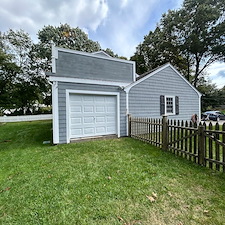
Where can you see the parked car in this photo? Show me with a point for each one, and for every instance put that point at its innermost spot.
(213, 115)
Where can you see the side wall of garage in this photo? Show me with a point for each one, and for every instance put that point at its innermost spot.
(63, 86)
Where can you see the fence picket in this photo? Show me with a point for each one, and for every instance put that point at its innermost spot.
(223, 139)
(217, 127)
(186, 140)
(178, 137)
(202, 144)
(195, 144)
(190, 143)
(210, 156)
(182, 135)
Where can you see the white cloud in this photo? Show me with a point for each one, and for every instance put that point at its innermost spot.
(125, 20)
(129, 21)
(33, 15)
(124, 3)
(216, 73)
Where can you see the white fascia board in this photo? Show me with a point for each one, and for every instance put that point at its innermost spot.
(200, 109)
(134, 72)
(93, 55)
(96, 53)
(71, 91)
(87, 81)
(55, 112)
(54, 57)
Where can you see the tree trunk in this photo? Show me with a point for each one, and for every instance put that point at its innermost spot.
(196, 71)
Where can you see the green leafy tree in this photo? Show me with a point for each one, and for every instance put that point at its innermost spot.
(191, 38)
(29, 81)
(8, 70)
(63, 36)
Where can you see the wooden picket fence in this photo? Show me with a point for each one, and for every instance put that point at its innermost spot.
(199, 143)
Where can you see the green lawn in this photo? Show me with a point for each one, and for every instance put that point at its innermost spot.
(117, 181)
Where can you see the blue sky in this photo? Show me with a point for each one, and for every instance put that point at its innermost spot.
(117, 24)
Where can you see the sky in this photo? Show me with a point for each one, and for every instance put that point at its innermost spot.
(116, 24)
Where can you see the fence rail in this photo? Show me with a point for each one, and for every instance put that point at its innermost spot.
(199, 143)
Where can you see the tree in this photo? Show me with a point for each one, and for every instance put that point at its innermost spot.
(27, 81)
(192, 38)
(8, 71)
(63, 36)
(210, 94)
(156, 50)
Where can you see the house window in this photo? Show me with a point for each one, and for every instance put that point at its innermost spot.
(169, 105)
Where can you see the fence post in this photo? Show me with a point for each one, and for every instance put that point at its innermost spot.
(165, 134)
(129, 125)
(201, 145)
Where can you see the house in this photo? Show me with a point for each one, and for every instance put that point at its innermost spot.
(93, 93)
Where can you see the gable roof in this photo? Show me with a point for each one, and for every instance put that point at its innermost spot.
(148, 74)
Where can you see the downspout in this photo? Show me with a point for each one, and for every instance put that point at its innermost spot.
(55, 112)
(127, 109)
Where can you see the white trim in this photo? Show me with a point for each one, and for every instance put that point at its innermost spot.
(134, 72)
(87, 81)
(101, 52)
(68, 116)
(54, 57)
(174, 109)
(55, 112)
(127, 111)
(155, 72)
(69, 91)
(200, 109)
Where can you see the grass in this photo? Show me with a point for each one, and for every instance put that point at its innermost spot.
(119, 181)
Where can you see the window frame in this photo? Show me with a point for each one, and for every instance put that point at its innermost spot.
(174, 105)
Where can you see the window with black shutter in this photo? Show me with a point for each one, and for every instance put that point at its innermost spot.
(169, 105)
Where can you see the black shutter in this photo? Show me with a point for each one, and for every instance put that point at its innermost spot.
(162, 104)
(177, 105)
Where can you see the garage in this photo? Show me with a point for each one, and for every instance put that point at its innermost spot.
(92, 115)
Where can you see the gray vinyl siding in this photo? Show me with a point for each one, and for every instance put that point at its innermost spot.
(90, 67)
(62, 86)
(144, 98)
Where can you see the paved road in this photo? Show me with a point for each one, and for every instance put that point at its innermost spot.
(221, 122)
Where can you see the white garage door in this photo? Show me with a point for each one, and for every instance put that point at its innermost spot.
(92, 115)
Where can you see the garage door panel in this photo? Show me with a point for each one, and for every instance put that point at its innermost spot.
(110, 109)
(99, 99)
(89, 119)
(89, 131)
(88, 109)
(76, 120)
(111, 129)
(92, 115)
(74, 98)
(76, 109)
(100, 109)
(100, 130)
(76, 132)
(110, 119)
(100, 119)
(110, 99)
(88, 98)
